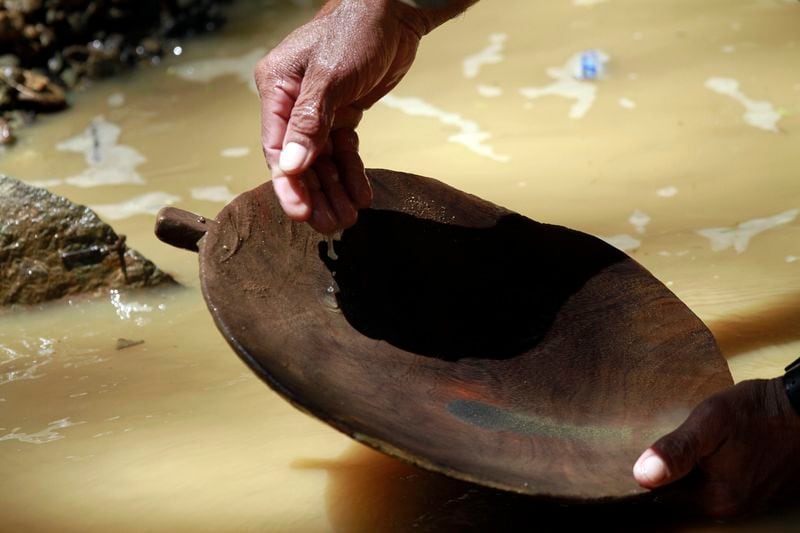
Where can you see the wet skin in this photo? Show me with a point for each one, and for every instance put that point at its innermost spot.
(314, 87)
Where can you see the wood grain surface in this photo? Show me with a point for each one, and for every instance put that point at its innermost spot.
(462, 337)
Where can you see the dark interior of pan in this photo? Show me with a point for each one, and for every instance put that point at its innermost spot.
(460, 336)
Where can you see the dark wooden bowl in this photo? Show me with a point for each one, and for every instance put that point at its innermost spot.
(457, 335)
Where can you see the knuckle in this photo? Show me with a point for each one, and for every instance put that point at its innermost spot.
(264, 68)
(713, 407)
(277, 65)
(309, 119)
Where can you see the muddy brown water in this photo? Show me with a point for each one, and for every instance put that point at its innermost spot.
(685, 154)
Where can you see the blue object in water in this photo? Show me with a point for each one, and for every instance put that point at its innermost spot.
(591, 65)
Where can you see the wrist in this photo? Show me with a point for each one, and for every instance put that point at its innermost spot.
(429, 14)
(397, 10)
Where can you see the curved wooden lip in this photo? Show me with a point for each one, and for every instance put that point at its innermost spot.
(379, 444)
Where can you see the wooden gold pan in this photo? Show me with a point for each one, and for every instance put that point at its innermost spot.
(458, 335)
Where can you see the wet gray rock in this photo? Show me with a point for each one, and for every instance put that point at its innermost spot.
(51, 248)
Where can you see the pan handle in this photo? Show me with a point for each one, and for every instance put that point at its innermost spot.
(180, 228)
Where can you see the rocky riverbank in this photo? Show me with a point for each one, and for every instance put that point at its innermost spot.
(51, 248)
(50, 46)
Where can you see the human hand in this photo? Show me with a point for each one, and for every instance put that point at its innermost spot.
(314, 87)
(745, 443)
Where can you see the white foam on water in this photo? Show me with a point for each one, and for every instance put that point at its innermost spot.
(627, 103)
(109, 163)
(622, 242)
(116, 100)
(469, 135)
(490, 91)
(490, 55)
(639, 220)
(667, 192)
(145, 204)
(739, 237)
(25, 363)
(48, 434)
(126, 310)
(214, 193)
(792, 258)
(46, 183)
(235, 151)
(207, 70)
(758, 113)
(567, 86)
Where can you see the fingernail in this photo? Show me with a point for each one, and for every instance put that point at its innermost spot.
(651, 468)
(292, 157)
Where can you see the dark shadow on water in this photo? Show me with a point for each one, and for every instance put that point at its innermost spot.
(368, 491)
(776, 324)
(450, 291)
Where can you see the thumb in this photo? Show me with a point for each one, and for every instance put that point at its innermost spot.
(309, 125)
(675, 455)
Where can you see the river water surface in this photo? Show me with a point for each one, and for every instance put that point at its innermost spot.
(684, 153)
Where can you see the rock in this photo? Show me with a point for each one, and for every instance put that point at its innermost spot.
(51, 248)
(26, 89)
(75, 40)
(6, 134)
(128, 343)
